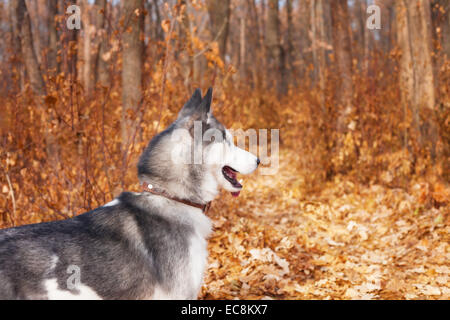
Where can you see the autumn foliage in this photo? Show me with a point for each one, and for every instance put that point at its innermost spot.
(354, 212)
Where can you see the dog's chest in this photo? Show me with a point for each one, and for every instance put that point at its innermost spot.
(198, 254)
(189, 270)
(198, 251)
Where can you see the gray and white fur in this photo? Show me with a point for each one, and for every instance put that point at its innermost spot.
(140, 245)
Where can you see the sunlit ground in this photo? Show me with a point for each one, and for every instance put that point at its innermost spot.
(347, 242)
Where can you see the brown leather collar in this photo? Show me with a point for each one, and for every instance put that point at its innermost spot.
(204, 207)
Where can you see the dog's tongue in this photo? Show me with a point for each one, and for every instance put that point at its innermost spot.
(236, 194)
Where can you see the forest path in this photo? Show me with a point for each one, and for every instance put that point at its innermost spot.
(348, 242)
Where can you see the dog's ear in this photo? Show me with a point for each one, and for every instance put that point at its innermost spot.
(191, 106)
(197, 108)
(204, 109)
(205, 106)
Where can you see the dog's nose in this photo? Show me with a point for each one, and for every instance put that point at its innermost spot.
(257, 161)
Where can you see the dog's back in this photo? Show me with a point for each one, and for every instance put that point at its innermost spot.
(133, 249)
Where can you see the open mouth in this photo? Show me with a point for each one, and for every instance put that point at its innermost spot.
(230, 174)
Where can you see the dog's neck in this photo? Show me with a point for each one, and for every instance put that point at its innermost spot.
(183, 191)
(150, 189)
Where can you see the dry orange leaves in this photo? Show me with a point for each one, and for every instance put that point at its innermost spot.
(346, 242)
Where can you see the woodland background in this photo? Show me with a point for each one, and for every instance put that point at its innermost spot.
(359, 207)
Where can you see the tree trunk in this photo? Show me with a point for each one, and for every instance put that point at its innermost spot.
(52, 36)
(443, 23)
(157, 30)
(274, 48)
(16, 58)
(70, 39)
(256, 44)
(132, 47)
(416, 65)
(387, 11)
(185, 46)
(219, 15)
(364, 36)
(319, 45)
(88, 28)
(242, 66)
(305, 42)
(101, 44)
(33, 12)
(343, 59)
(446, 31)
(290, 41)
(23, 25)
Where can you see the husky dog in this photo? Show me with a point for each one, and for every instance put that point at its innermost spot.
(149, 245)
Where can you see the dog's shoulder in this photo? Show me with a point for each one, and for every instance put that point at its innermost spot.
(154, 211)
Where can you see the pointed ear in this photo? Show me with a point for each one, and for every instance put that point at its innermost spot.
(206, 102)
(191, 106)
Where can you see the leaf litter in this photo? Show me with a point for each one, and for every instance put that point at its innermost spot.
(345, 242)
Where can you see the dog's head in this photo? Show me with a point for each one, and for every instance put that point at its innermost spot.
(195, 156)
